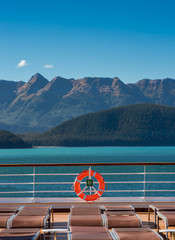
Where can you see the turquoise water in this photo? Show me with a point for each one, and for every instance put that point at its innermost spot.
(87, 154)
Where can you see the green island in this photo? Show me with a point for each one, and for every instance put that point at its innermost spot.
(132, 125)
(10, 140)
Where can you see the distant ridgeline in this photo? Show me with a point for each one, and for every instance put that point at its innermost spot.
(39, 104)
(133, 125)
(9, 140)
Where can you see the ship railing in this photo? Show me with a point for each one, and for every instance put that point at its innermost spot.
(125, 182)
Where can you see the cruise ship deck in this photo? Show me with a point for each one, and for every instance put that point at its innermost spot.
(138, 184)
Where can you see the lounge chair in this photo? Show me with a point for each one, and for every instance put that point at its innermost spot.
(122, 219)
(135, 234)
(20, 234)
(157, 208)
(85, 216)
(89, 233)
(168, 217)
(31, 217)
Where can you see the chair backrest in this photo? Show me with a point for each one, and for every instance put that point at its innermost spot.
(85, 211)
(34, 210)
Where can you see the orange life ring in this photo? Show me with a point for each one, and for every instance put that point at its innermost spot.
(79, 191)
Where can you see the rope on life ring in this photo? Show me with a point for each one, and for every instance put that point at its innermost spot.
(80, 192)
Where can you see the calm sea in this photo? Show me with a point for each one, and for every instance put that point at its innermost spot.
(88, 154)
(80, 155)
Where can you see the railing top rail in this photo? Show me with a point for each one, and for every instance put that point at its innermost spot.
(86, 164)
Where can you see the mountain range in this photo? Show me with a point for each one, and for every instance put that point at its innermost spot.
(40, 104)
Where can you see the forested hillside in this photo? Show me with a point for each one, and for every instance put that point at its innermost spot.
(9, 140)
(133, 125)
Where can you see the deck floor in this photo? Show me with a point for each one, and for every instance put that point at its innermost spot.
(60, 221)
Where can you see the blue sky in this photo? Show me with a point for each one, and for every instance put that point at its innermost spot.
(129, 39)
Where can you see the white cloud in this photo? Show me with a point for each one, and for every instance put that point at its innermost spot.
(48, 66)
(22, 63)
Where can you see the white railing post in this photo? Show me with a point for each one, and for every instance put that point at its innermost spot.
(144, 181)
(33, 183)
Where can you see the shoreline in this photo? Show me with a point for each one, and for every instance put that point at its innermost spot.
(99, 146)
